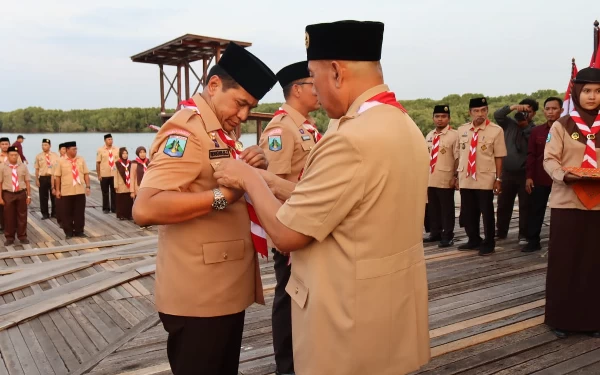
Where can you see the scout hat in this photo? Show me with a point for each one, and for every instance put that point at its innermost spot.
(588, 75)
(292, 73)
(46, 140)
(442, 108)
(478, 102)
(12, 149)
(107, 135)
(70, 144)
(4, 139)
(61, 145)
(344, 40)
(247, 70)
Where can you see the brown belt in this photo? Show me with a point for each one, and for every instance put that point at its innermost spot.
(15, 192)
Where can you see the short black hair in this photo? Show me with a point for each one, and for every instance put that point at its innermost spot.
(552, 99)
(532, 103)
(228, 81)
(287, 90)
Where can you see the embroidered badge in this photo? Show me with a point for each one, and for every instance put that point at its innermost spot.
(443, 151)
(175, 146)
(306, 137)
(301, 131)
(218, 153)
(463, 145)
(548, 138)
(274, 132)
(213, 137)
(275, 143)
(483, 148)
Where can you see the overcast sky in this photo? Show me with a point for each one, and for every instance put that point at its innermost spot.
(73, 54)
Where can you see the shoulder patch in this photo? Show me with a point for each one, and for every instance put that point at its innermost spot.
(275, 143)
(175, 146)
(274, 131)
(549, 137)
(182, 132)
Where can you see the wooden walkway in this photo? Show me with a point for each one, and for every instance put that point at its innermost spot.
(85, 306)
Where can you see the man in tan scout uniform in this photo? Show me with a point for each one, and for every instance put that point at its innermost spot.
(71, 173)
(358, 283)
(206, 269)
(286, 141)
(106, 161)
(14, 180)
(63, 152)
(482, 148)
(44, 162)
(444, 152)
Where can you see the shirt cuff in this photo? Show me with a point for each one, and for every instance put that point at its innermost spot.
(301, 224)
(280, 167)
(558, 175)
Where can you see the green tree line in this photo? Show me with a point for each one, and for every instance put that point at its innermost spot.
(135, 120)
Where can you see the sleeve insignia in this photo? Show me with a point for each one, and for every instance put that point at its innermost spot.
(175, 146)
(275, 143)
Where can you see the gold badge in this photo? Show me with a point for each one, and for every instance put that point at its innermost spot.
(463, 145)
(443, 151)
(445, 109)
(239, 146)
(306, 40)
(591, 137)
(575, 136)
(483, 148)
(483, 100)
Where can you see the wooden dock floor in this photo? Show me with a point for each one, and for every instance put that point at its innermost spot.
(85, 306)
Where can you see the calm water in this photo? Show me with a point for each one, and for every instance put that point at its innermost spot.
(88, 143)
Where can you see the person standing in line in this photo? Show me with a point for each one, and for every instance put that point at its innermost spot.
(44, 162)
(572, 280)
(16, 196)
(71, 173)
(106, 161)
(208, 235)
(62, 150)
(4, 145)
(339, 221)
(444, 153)
(138, 168)
(482, 148)
(516, 138)
(19, 145)
(287, 141)
(123, 186)
(539, 183)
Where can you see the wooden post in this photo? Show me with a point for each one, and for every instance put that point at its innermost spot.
(187, 80)
(204, 70)
(258, 130)
(162, 89)
(217, 54)
(178, 86)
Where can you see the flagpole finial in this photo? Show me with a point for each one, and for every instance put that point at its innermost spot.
(573, 60)
(596, 23)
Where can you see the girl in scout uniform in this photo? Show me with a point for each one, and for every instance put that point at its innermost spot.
(138, 169)
(123, 186)
(572, 303)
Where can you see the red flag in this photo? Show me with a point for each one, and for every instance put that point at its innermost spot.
(568, 103)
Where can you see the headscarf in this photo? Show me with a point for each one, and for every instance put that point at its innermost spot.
(141, 170)
(122, 161)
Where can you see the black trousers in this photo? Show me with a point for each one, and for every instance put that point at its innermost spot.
(539, 201)
(73, 214)
(513, 184)
(282, 317)
(108, 186)
(15, 214)
(441, 212)
(476, 203)
(204, 346)
(45, 193)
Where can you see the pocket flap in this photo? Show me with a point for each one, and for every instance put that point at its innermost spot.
(218, 252)
(296, 289)
(307, 146)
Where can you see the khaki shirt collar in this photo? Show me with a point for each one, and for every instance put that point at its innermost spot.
(480, 127)
(296, 116)
(208, 116)
(443, 132)
(353, 110)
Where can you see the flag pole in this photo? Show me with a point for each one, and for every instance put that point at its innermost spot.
(596, 37)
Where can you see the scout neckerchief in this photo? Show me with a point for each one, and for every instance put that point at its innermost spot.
(126, 172)
(143, 163)
(111, 159)
(386, 97)
(15, 177)
(434, 150)
(472, 167)
(140, 172)
(258, 234)
(48, 159)
(74, 171)
(589, 158)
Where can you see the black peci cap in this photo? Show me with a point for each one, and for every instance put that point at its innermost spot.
(344, 40)
(477, 103)
(46, 140)
(247, 70)
(70, 144)
(12, 149)
(443, 108)
(292, 73)
(588, 75)
(107, 135)
(61, 145)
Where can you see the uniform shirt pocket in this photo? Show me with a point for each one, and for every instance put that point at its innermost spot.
(486, 147)
(297, 291)
(218, 252)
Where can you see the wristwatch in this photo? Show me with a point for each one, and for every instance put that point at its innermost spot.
(498, 179)
(219, 201)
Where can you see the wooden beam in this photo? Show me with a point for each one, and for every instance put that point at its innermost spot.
(187, 80)
(204, 70)
(162, 88)
(178, 87)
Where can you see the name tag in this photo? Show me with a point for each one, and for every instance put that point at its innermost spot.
(306, 137)
(218, 153)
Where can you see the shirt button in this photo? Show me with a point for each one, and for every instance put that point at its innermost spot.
(224, 255)
(296, 292)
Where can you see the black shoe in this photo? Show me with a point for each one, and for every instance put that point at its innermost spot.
(24, 241)
(45, 217)
(560, 334)
(595, 335)
(432, 239)
(501, 236)
(469, 246)
(531, 247)
(68, 236)
(53, 215)
(485, 250)
(80, 235)
(9, 242)
(444, 244)
(106, 211)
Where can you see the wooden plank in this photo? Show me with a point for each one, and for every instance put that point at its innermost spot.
(66, 355)
(88, 327)
(154, 370)
(102, 322)
(9, 355)
(48, 347)
(141, 327)
(23, 353)
(572, 364)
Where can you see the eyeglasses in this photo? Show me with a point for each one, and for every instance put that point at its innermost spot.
(304, 83)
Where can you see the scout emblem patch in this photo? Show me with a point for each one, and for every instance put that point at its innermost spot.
(301, 131)
(239, 146)
(463, 145)
(483, 148)
(218, 153)
(175, 146)
(548, 138)
(275, 143)
(443, 151)
(575, 136)
(213, 137)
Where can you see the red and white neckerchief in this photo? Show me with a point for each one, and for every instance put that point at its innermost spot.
(386, 97)
(435, 148)
(472, 167)
(48, 160)
(126, 166)
(142, 163)
(258, 234)
(589, 158)
(111, 159)
(74, 171)
(15, 178)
